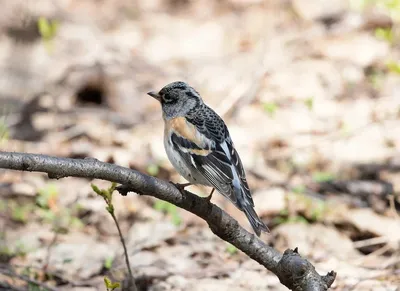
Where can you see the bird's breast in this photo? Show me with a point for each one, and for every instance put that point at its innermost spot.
(188, 131)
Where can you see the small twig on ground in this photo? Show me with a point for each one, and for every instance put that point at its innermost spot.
(370, 242)
(8, 271)
(393, 207)
(372, 256)
(10, 287)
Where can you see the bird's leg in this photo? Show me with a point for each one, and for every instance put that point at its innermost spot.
(208, 198)
(182, 186)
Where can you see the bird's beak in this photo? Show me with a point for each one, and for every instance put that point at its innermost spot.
(154, 94)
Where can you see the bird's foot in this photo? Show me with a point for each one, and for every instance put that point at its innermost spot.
(208, 198)
(180, 187)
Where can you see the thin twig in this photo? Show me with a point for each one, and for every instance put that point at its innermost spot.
(11, 273)
(10, 287)
(370, 242)
(363, 260)
(393, 207)
(128, 265)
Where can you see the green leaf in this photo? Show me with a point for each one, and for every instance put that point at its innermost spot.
(385, 34)
(297, 219)
(47, 29)
(170, 209)
(115, 285)
(112, 188)
(106, 195)
(44, 27)
(77, 222)
(20, 213)
(96, 189)
(110, 208)
(176, 219)
(279, 220)
(284, 212)
(160, 205)
(394, 67)
(316, 210)
(153, 169)
(20, 249)
(271, 108)
(108, 262)
(299, 189)
(231, 249)
(321, 177)
(111, 285)
(309, 102)
(46, 215)
(392, 5)
(46, 194)
(107, 282)
(5, 251)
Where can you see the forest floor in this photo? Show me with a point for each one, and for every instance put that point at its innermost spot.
(310, 92)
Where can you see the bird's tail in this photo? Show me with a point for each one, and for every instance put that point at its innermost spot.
(257, 224)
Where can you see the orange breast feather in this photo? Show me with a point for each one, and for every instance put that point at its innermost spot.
(186, 130)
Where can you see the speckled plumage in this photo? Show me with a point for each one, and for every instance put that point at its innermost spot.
(199, 146)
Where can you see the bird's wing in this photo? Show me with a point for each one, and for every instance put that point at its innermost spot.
(205, 144)
(211, 163)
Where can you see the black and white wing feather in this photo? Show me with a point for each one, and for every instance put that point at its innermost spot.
(217, 160)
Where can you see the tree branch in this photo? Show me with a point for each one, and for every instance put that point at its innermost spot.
(293, 271)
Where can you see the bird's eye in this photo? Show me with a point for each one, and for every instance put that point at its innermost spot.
(167, 98)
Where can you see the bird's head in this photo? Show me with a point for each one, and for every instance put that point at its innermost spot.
(177, 99)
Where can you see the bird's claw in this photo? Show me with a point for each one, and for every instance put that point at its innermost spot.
(208, 198)
(180, 187)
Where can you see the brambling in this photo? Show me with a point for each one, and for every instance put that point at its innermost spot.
(199, 146)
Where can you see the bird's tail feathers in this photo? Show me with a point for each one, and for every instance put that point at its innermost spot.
(257, 224)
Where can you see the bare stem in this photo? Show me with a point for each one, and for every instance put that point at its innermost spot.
(132, 284)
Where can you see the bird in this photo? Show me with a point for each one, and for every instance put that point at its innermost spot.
(199, 146)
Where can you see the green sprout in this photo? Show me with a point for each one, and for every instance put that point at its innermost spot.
(108, 262)
(170, 209)
(231, 249)
(299, 189)
(385, 34)
(111, 286)
(289, 219)
(20, 213)
(271, 108)
(394, 67)
(320, 177)
(318, 210)
(309, 102)
(153, 169)
(107, 196)
(46, 196)
(48, 30)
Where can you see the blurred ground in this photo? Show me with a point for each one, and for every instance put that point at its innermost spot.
(310, 90)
